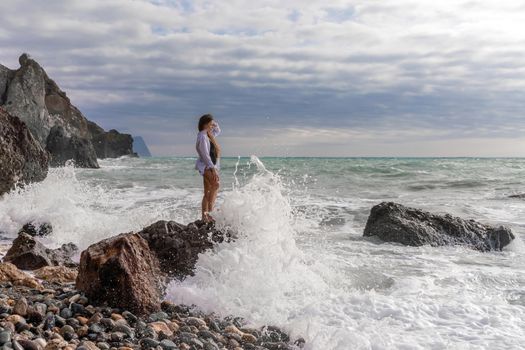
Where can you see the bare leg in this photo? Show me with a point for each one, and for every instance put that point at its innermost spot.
(212, 188)
(204, 207)
(205, 199)
(213, 197)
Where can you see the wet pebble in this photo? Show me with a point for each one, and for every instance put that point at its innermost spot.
(60, 318)
(20, 307)
(5, 337)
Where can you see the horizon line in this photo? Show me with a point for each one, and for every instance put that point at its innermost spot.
(355, 157)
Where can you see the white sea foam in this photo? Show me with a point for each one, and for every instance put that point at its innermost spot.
(84, 212)
(300, 261)
(342, 294)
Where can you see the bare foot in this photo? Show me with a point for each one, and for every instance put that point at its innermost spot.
(206, 217)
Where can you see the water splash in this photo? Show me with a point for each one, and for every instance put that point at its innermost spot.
(263, 276)
(79, 211)
(340, 293)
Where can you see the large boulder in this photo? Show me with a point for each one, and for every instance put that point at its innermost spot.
(392, 222)
(110, 144)
(27, 253)
(122, 272)
(22, 159)
(178, 246)
(63, 147)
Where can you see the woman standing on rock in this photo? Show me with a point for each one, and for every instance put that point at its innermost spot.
(208, 162)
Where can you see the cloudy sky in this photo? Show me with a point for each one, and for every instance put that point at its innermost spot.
(288, 78)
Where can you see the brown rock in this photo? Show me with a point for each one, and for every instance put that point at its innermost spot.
(82, 320)
(56, 344)
(173, 326)
(56, 274)
(10, 273)
(29, 345)
(233, 329)
(159, 327)
(82, 331)
(95, 318)
(248, 338)
(14, 319)
(20, 307)
(22, 158)
(89, 345)
(122, 272)
(116, 317)
(29, 254)
(54, 309)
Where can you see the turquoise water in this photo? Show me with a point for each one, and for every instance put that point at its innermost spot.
(301, 261)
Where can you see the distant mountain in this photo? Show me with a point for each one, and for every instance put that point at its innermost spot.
(140, 147)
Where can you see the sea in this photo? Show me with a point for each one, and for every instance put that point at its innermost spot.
(300, 261)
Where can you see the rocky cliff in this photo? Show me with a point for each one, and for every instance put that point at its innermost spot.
(22, 159)
(31, 95)
(110, 144)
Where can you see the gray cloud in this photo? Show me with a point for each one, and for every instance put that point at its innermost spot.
(454, 68)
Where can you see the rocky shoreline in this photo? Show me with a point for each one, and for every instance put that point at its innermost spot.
(114, 299)
(54, 315)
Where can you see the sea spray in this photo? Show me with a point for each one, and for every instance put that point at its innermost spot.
(79, 211)
(342, 292)
(263, 275)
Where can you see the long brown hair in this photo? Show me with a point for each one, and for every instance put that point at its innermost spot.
(205, 119)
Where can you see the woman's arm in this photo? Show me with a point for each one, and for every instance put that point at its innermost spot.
(215, 129)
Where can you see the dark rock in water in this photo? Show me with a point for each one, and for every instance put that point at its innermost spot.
(519, 196)
(393, 222)
(110, 144)
(122, 272)
(28, 254)
(62, 148)
(177, 246)
(35, 229)
(22, 159)
(62, 256)
(140, 147)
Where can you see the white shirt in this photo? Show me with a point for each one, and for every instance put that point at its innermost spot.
(203, 150)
